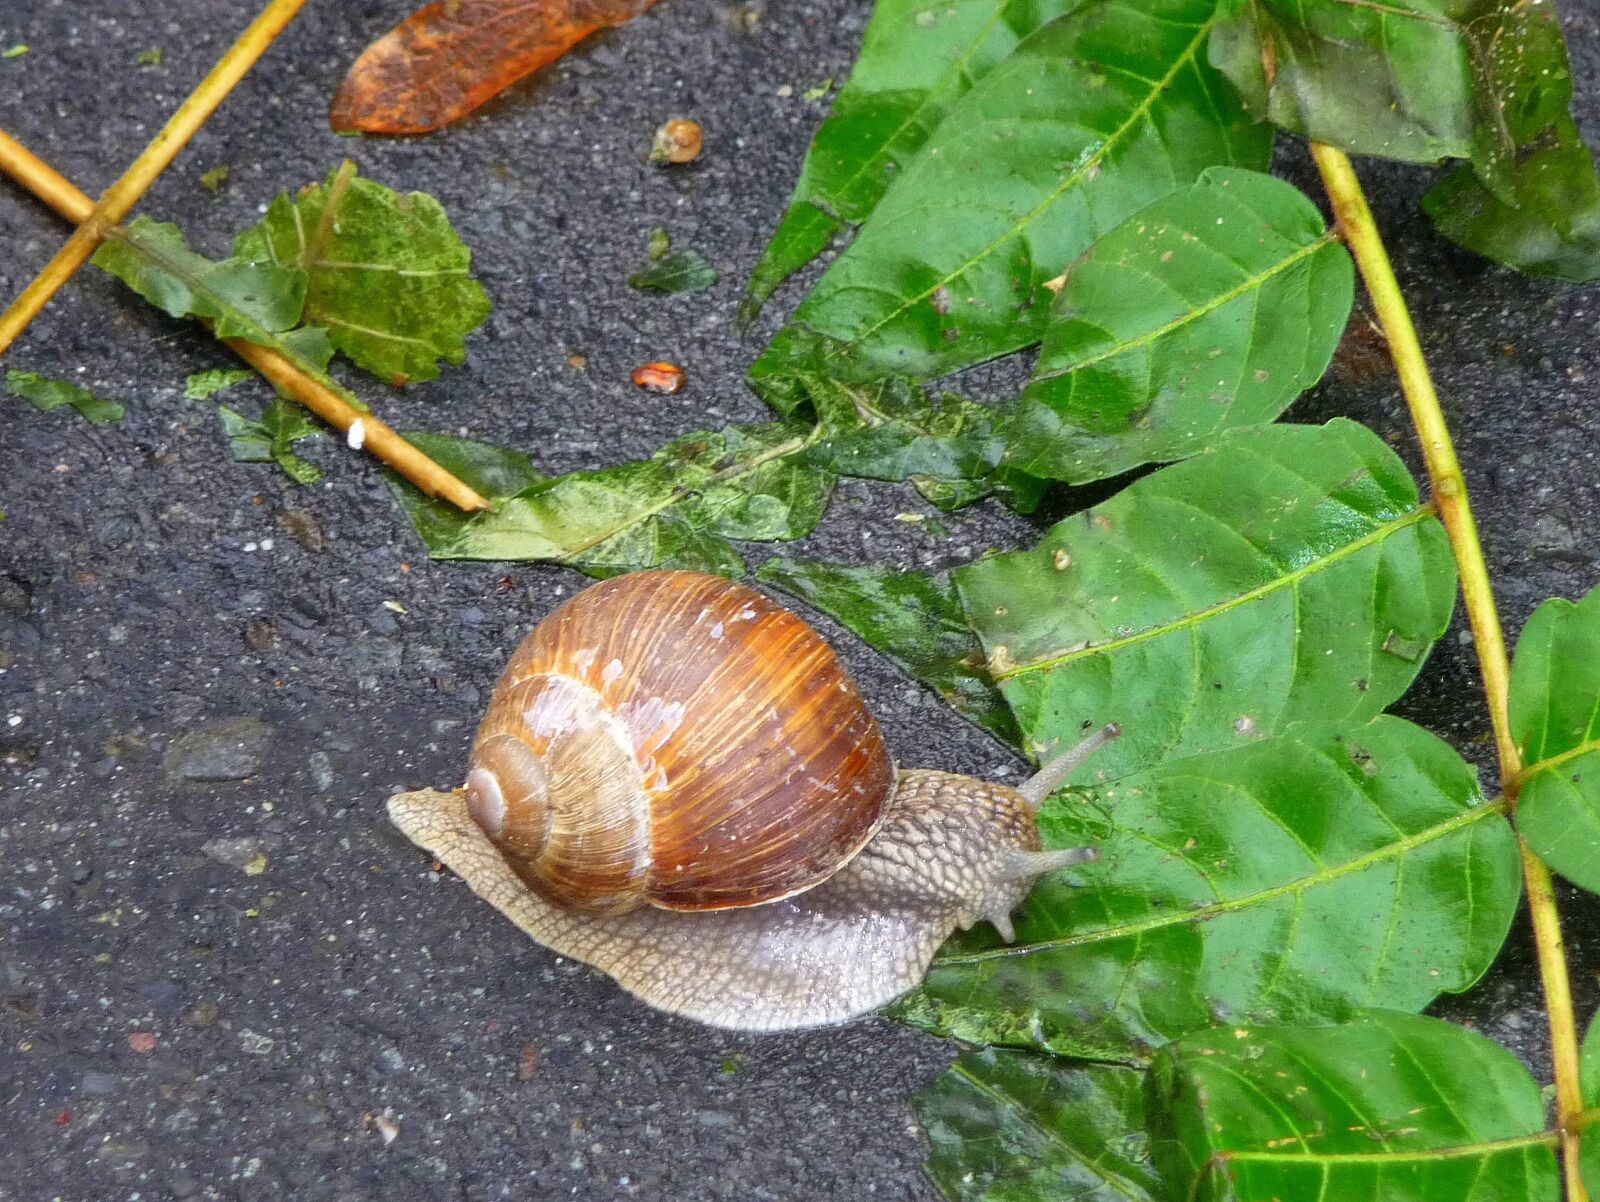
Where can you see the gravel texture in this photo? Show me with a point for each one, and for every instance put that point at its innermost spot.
(222, 975)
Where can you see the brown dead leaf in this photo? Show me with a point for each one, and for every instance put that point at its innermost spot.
(447, 58)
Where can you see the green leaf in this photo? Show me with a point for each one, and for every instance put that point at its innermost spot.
(387, 276)
(1092, 117)
(45, 394)
(1287, 574)
(914, 618)
(495, 473)
(1210, 309)
(676, 509)
(1589, 1076)
(675, 271)
(1555, 720)
(271, 439)
(916, 61)
(1393, 80)
(1018, 1127)
(1530, 198)
(1392, 1107)
(1292, 879)
(203, 384)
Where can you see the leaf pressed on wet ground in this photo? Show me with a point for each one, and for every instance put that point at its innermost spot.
(1555, 720)
(1297, 878)
(915, 62)
(271, 438)
(1389, 1106)
(675, 271)
(447, 58)
(1210, 309)
(45, 394)
(1010, 1126)
(1093, 116)
(203, 384)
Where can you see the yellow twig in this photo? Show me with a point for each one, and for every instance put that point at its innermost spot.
(1450, 495)
(119, 199)
(50, 186)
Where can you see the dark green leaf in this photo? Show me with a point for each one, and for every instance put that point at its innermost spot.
(915, 62)
(1092, 117)
(271, 439)
(1530, 199)
(1212, 308)
(203, 384)
(675, 271)
(389, 278)
(1296, 878)
(1393, 79)
(1288, 574)
(912, 617)
(495, 473)
(1018, 1127)
(1555, 719)
(45, 394)
(1393, 1107)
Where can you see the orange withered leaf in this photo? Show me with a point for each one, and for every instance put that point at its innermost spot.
(447, 58)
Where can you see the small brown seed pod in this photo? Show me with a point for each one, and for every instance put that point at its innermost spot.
(677, 141)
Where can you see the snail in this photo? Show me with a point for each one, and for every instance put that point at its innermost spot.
(677, 783)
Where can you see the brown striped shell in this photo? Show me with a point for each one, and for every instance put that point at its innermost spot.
(678, 740)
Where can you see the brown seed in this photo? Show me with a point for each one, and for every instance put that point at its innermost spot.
(664, 378)
(678, 141)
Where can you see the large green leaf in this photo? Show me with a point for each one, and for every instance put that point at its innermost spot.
(917, 59)
(1555, 719)
(1211, 308)
(1297, 878)
(386, 275)
(1092, 117)
(1392, 79)
(1530, 198)
(914, 618)
(1391, 1108)
(1019, 1127)
(1287, 574)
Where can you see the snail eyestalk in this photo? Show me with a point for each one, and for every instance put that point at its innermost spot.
(1050, 777)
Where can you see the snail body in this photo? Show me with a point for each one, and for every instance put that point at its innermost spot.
(677, 782)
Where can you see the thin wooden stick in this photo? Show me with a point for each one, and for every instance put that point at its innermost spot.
(50, 186)
(1455, 510)
(119, 199)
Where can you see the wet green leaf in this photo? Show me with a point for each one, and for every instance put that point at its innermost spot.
(1530, 199)
(1260, 583)
(1287, 879)
(1210, 309)
(45, 394)
(1589, 1076)
(914, 618)
(1392, 1107)
(1555, 719)
(213, 179)
(675, 271)
(1393, 80)
(495, 473)
(1093, 116)
(1018, 1127)
(387, 276)
(203, 384)
(271, 438)
(916, 61)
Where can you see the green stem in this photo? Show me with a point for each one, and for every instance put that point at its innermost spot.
(1455, 510)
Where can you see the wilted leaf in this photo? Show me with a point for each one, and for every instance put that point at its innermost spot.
(1555, 719)
(1093, 116)
(675, 271)
(912, 617)
(1019, 1127)
(447, 58)
(203, 384)
(1211, 308)
(271, 439)
(1390, 1107)
(386, 275)
(1291, 879)
(915, 62)
(45, 394)
(1530, 199)
(1287, 574)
